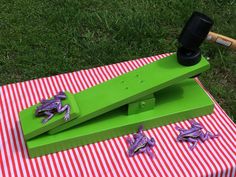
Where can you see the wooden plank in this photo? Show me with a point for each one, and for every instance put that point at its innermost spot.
(130, 87)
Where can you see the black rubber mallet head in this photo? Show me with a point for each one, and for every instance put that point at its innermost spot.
(193, 34)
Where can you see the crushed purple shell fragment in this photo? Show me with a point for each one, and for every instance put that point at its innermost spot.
(50, 107)
(140, 144)
(194, 134)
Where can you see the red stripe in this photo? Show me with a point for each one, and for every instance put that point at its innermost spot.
(171, 147)
(80, 80)
(213, 146)
(64, 152)
(201, 155)
(31, 103)
(3, 145)
(35, 101)
(106, 145)
(19, 88)
(182, 154)
(43, 93)
(77, 162)
(190, 154)
(103, 155)
(122, 160)
(48, 94)
(208, 157)
(96, 159)
(117, 160)
(132, 165)
(9, 135)
(173, 169)
(39, 93)
(18, 130)
(220, 146)
(99, 158)
(6, 142)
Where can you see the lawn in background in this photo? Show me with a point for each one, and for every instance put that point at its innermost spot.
(44, 38)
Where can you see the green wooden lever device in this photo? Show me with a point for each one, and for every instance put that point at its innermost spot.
(156, 94)
(153, 95)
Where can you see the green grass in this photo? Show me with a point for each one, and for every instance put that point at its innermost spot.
(44, 38)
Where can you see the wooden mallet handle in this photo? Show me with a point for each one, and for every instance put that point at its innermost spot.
(222, 40)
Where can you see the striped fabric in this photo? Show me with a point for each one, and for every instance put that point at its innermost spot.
(109, 158)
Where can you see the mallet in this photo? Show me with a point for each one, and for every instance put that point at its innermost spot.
(195, 31)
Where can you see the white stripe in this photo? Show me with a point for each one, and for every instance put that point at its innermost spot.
(104, 73)
(63, 161)
(102, 159)
(225, 127)
(131, 159)
(208, 149)
(113, 156)
(98, 76)
(115, 73)
(101, 74)
(203, 159)
(123, 154)
(219, 128)
(69, 80)
(210, 143)
(52, 165)
(156, 150)
(107, 157)
(63, 84)
(183, 152)
(74, 162)
(93, 75)
(91, 160)
(80, 161)
(185, 146)
(66, 160)
(166, 152)
(118, 155)
(76, 88)
(5, 156)
(28, 96)
(24, 104)
(174, 151)
(18, 139)
(222, 149)
(95, 155)
(90, 78)
(78, 81)
(38, 98)
(8, 127)
(86, 161)
(85, 79)
(81, 80)
(112, 73)
(117, 70)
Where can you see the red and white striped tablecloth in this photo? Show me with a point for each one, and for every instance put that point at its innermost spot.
(215, 157)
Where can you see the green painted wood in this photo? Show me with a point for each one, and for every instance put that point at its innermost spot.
(32, 125)
(141, 105)
(175, 103)
(130, 87)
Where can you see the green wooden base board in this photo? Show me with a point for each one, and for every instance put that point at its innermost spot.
(175, 103)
